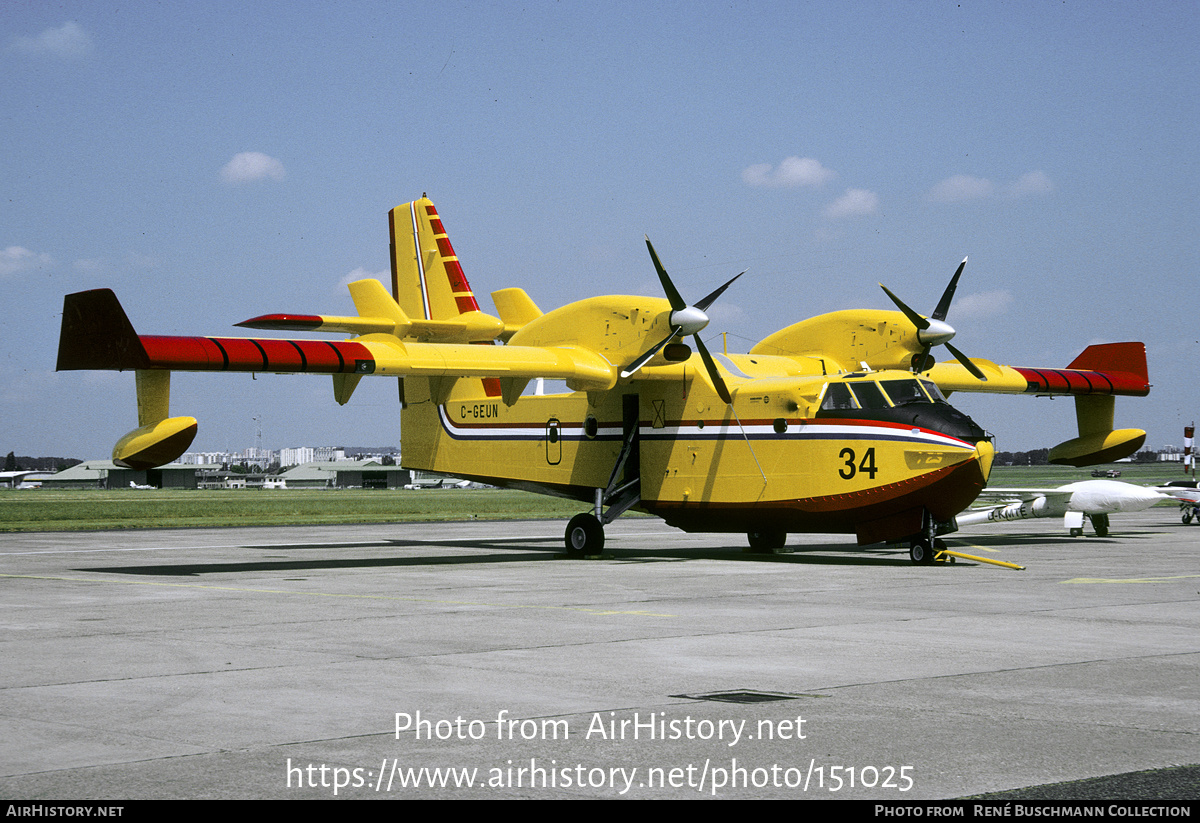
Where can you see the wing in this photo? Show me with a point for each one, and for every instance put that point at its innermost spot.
(1095, 378)
(96, 334)
(1106, 370)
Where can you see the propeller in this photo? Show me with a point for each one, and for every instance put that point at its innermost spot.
(684, 320)
(934, 330)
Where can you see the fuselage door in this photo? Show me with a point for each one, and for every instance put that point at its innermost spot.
(553, 441)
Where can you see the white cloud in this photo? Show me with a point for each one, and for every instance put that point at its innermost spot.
(137, 260)
(982, 304)
(361, 273)
(17, 258)
(1030, 183)
(68, 41)
(793, 172)
(854, 203)
(962, 187)
(252, 165)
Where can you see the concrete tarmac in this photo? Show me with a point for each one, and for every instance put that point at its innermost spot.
(409, 661)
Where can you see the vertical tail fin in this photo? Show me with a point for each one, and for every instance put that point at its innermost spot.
(427, 280)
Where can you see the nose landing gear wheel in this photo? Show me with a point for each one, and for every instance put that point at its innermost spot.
(923, 552)
(766, 542)
(585, 536)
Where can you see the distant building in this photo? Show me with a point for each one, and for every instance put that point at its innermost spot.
(346, 474)
(105, 474)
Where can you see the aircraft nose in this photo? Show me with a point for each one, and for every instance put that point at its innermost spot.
(985, 453)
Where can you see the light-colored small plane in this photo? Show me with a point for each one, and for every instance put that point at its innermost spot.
(835, 424)
(1093, 500)
(1188, 495)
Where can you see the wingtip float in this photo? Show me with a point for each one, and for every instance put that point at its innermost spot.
(838, 423)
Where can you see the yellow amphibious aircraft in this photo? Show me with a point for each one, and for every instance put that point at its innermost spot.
(838, 423)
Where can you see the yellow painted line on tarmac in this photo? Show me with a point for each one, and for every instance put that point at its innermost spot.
(583, 609)
(1130, 579)
(979, 548)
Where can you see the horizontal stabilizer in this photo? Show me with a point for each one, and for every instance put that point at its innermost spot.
(378, 313)
(516, 309)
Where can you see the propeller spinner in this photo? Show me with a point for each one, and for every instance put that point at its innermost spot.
(934, 330)
(684, 320)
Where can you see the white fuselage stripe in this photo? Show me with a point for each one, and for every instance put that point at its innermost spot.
(715, 431)
(416, 228)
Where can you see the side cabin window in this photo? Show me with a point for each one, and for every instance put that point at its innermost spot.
(838, 398)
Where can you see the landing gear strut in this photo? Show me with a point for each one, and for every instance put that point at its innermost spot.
(585, 532)
(925, 547)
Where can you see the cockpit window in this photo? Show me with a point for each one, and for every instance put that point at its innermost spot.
(904, 392)
(838, 397)
(869, 396)
(934, 392)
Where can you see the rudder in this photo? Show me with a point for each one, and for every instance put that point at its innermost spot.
(427, 280)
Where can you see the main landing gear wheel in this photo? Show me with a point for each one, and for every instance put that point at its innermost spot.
(1100, 524)
(585, 536)
(766, 542)
(1187, 516)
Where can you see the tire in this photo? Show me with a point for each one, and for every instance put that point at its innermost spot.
(1100, 524)
(921, 553)
(1187, 516)
(766, 542)
(585, 536)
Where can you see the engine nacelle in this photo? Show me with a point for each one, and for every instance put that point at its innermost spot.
(156, 444)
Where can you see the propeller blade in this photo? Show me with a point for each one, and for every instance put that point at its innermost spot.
(921, 361)
(966, 361)
(689, 320)
(649, 355)
(707, 301)
(943, 305)
(717, 381)
(917, 320)
(677, 302)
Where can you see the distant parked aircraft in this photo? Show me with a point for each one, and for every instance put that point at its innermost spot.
(1094, 500)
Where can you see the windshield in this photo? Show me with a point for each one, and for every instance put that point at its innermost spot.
(869, 396)
(904, 392)
(934, 392)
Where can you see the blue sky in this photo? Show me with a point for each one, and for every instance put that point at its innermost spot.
(215, 161)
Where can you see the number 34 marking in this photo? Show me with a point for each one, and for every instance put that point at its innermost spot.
(853, 466)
